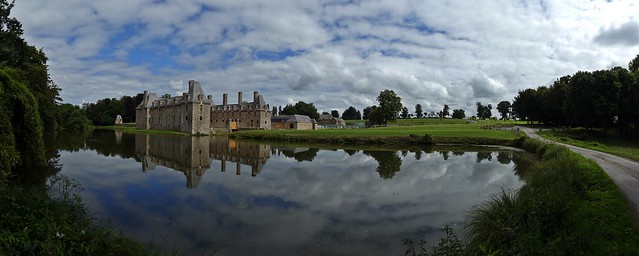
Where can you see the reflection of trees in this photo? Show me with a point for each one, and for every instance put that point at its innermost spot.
(108, 143)
(350, 152)
(481, 156)
(524, 162)
(444, 154)
(388, 162)
(504, 157)
(307, 155)
(418, 155)
(458, 153)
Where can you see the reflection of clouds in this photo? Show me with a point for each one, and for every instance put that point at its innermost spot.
(336, 204)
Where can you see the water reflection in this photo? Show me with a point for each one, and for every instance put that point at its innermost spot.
(298, 200)
(194, 155)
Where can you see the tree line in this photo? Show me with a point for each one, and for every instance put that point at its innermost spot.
(597, 99)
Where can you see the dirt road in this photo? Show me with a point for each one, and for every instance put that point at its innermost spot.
(624, 172)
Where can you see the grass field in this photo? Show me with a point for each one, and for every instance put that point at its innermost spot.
(435, 130)
(597, 140)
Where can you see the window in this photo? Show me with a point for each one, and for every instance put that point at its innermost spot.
(292, 126)
(187, 118)
(200, 118)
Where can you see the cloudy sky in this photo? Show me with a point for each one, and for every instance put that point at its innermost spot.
(334, 53)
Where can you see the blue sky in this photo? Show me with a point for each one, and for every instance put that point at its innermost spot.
(332, 53)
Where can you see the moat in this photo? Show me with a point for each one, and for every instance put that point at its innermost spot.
(214, 195)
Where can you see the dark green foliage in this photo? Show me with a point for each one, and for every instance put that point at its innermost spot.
(351, 114)
(301, 108)
(568, 206)
(389, 106)
(72, 118)
(29, 66)
(21, 125)
(404, 113)
(459, 114)
(335, 113)
(34, 224)
(484, 112)
(504, 109)
(419, 112)
(367, 111)
(445, 111)
(104, 111)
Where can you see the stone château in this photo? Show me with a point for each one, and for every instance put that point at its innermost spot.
(195, 113)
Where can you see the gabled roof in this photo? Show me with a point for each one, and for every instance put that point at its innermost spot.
(292, 119)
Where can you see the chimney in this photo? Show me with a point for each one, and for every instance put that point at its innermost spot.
(225, 99)
(191, 84)
(255, 94)
(239, 98)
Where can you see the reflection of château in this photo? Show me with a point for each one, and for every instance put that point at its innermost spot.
(192, 155)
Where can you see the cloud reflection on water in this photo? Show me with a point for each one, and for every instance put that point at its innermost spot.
(334, 202)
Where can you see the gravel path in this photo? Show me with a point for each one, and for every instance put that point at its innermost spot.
(624, 172)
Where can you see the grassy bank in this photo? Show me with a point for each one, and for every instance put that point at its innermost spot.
(568, 206)
(608, 142)
(440, 133)
(35, 224)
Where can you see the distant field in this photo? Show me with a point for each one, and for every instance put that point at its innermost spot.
(435, 130)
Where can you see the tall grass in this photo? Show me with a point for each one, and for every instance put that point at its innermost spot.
(55, 222)
(568, 206)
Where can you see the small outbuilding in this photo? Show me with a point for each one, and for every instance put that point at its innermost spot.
(293, 122)
(118, 120)
(328, 119)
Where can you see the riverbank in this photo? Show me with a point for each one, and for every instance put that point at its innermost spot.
(608, 142)
(568, 205)
(33, 223)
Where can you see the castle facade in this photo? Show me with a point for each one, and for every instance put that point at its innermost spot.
(195, 113)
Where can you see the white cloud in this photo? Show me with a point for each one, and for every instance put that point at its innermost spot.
(334, 54)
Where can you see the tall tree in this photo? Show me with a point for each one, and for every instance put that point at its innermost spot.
(351, 114)
(307, 109)
(526, 105)
(419, 112)
(389, 105)
(459, 114)
(288, 110)
(484, 112)
(274, 111)
(503, 108)
(445, 111)
(368, 110)
(335, 113)
(404, 113)
(29, 67)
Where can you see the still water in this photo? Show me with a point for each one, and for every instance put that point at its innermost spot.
(214, 195)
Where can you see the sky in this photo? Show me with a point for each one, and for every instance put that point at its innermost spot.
(333, 53)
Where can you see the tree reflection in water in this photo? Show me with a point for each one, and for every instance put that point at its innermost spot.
(388, 162)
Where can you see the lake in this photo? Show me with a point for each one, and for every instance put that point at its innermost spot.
(215, 195)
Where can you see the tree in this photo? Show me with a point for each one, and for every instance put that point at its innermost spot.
(445, 111)
(419, 112)
(459, 114)
(73, 118)
(368, 110)
(351, 114)
(375, 117)
(335, 113)
(307, 109)
(274, 111)
(389, 105)
(432, 114)
(526, 105)
(503, 108)
(288, 110)
(404, 113)
(484, 112)
(633, 65)
(28, 67)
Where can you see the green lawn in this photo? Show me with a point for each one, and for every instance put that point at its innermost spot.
(596, 140)
(435, 130)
